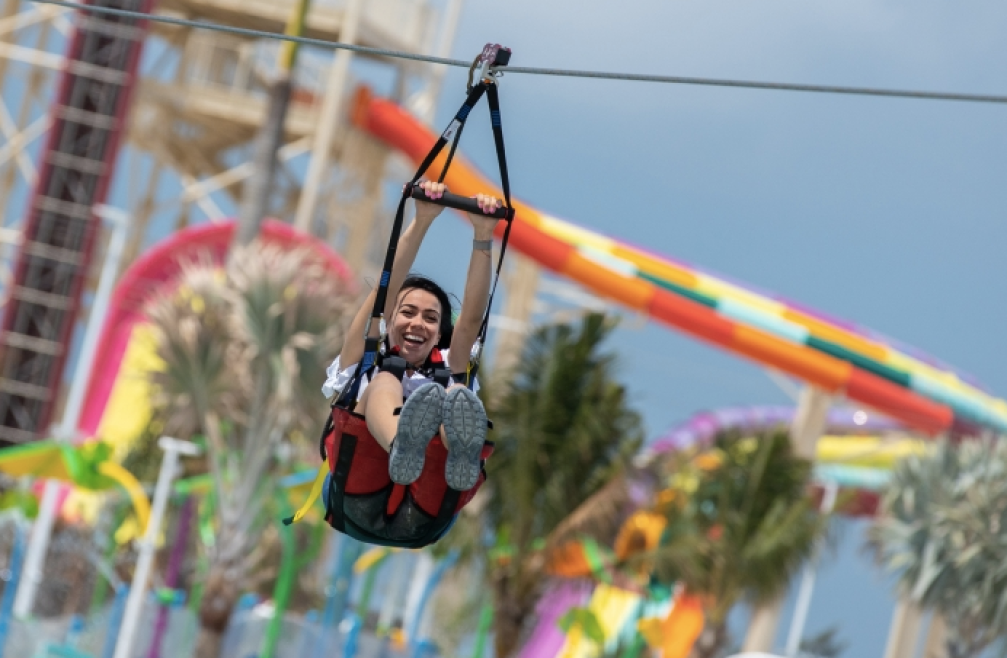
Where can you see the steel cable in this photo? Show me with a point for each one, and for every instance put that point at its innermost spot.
(636, 77)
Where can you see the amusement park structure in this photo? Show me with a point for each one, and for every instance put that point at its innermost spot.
(177, 132)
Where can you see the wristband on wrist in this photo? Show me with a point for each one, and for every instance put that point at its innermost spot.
(482, 245)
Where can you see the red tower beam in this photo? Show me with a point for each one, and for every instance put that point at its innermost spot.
(88, 119)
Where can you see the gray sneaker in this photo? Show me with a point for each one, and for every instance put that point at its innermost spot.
(465, 430)
(419, 422)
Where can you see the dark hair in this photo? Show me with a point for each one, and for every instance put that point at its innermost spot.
(418, 282)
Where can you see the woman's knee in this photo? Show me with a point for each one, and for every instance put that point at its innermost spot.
(383, 384)
(385, 380)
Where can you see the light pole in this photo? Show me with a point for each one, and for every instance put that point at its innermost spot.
(172, 448)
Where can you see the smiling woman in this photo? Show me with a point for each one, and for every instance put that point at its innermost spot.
(421, 335)
(414, 431)
(403, 451)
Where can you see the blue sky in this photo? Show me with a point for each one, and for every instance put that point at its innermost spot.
(890, 213)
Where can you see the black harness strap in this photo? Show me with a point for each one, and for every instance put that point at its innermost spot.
(449, 503)
(493, 100)
(435, 368)
(395, 365)
(451, 151)
(328, 427)
(337, 484)
(442, 376)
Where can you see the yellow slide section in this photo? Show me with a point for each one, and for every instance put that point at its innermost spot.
(127, 413)
(867, 451)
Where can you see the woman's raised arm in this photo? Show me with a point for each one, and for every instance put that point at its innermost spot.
(477, 285)
(405, 255)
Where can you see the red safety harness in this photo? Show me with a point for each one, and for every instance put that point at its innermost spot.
(363, 502)
(361, 499)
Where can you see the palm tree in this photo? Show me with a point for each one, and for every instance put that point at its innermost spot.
(942, 527)
(563, 431)
(740, 523)
(243, 352)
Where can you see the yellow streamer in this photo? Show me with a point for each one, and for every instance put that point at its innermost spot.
(371, 558)
(295, 28)
(125, 479)
(316, 491)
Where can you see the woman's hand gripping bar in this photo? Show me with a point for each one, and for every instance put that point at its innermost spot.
(462, 203)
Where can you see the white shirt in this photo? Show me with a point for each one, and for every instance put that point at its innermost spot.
(338, 377)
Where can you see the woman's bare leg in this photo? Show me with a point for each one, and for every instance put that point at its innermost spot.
(377, 405)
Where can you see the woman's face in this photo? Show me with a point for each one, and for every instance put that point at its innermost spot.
(415, 327)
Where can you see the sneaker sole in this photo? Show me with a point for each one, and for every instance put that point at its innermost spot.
(465, 428)
(418, 423)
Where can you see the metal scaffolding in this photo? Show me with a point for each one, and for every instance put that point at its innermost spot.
(58, 237)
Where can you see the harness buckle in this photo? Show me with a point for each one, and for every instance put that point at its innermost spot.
(442, 376)
(476, 353)
(395, 365)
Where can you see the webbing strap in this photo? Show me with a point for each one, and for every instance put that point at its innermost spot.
(329, 424)
(449, 503)
(493, 100)
(451, 153)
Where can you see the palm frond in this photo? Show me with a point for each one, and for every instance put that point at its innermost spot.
(565, 436)
(201, 372)
(243, 353)
(564, 430)
(942, 528)
(741, 528)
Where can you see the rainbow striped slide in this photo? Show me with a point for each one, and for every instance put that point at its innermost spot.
(835, 356)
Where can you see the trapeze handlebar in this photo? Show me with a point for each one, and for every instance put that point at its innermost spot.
(464, 203)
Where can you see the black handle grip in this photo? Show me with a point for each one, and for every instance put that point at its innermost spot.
(464, 203)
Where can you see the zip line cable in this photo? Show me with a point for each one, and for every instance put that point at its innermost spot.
(634, 77)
